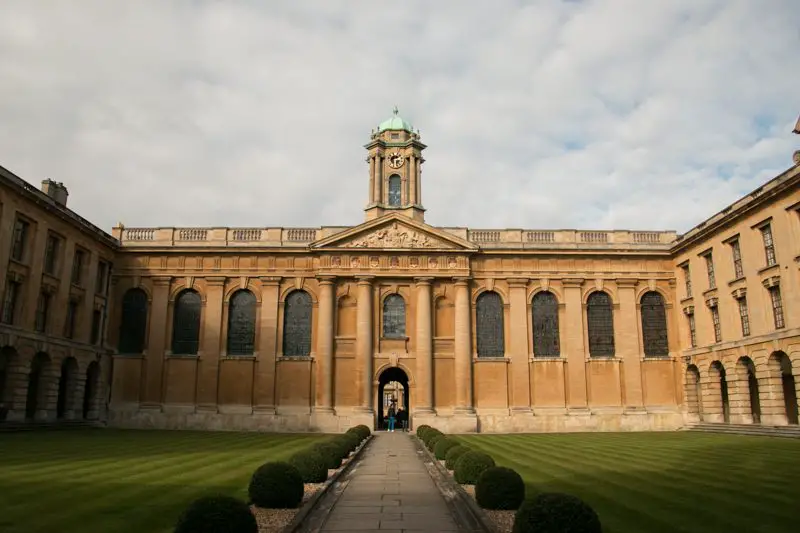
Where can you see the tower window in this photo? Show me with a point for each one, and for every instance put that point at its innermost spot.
(394, 190)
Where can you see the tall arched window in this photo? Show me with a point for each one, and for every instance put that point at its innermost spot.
(297, 324)
(186, 323)
(394, 316)
(394, 190)
(654, 324)
(545, 325)
(133, 323)
(600, 318)
(242, 323)
(489, 325)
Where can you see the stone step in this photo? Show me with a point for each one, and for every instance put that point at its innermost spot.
(8, 427)
(746, 429)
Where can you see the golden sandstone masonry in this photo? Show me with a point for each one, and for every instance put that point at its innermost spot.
(319, 329)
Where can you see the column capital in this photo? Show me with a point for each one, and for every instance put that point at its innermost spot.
(517, 282)
(626, 283)
(462, 281)
(270, 280)
(326, 280)
(365, 280)
(572, 282)
(161, 281)
(215, 281)
(423, 281)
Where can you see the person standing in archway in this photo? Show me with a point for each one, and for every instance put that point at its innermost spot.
(402, 418)
(392, 414)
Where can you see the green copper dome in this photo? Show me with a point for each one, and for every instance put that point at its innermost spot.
(395, 123)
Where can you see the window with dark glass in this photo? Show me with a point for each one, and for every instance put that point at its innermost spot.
(489, 327)
(20, 241)
(692, 330)
(717, 326)
(77, 267)
(133, 324)
(687, 278)
(72, 318)
(51, 254)
(394, 317)
(97, 318)
(712, 281)
(394, 190)
(769, 244)
(600, 319)
(242, 323)
(297, 324)
(10, 301)
(744, 316)
(42, 311)
(100, 281)
(654, 325)
(545, 325)
(736, 251)
(777, 306)
(186, 323)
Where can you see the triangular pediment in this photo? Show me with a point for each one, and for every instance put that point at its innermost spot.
(392, 232)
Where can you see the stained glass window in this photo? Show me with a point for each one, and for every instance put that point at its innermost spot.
(600, 318)
(489, 325)
(132, 326)
(545, 325)
(186, 323)
(394, 190)
(297, 324)
(394, 316)
(242, 323)
(654, 325)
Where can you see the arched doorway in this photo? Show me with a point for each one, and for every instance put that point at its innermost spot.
(36, 390)
(90, 391)
(693, 394)
(7, 359)
(392, 389)
(65, 407)
(788, 387)
(747, 372)
(719, 379)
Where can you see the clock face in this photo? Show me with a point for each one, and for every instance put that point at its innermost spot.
(395, 160)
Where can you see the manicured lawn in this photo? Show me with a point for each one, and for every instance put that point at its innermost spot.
(123, 481)
(663, 482)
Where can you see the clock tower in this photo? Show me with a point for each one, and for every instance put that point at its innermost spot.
(395, 167)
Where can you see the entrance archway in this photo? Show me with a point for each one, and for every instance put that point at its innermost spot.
(392, 388)
(91, 388)
(745, 366)
(36, 389)
(781, 362)
(66, 388)
(693, 394)
(719, 381)
(7, 358)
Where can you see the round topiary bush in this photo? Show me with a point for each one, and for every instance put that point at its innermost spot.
(553, 512)
(453, 455)
(345, 444)
(443, 446)
(499, 488)
(421, 429)
(433, 440)
(331, 454)
(311, 465)
(361, 430)
(276, 486)
(352, 439)
(429, 434)
(470, 466)
(217, 514)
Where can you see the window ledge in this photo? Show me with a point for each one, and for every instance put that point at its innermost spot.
(295, 358)
(687, 300)
(736, 281)
(397, 338)
(485, 359)
(182, 356)
(710, 292)
(769, 268)
(547, 359)
(604, 358)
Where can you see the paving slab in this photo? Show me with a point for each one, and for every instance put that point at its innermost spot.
(390, 490)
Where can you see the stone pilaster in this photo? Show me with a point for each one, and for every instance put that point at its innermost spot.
(325, 323)
(152, 377)
(576, 349)
(628, 346)
(364, 355)
(519, 353)
(424, 348)
(264, 390)
(33, 284)
(463, 348)
(208, 364)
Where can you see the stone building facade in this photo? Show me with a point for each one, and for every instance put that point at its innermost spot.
(316, 329)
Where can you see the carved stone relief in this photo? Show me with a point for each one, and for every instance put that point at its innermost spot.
(396, 236)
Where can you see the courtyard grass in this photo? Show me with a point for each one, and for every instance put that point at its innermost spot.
(125, 481)
(662, 482)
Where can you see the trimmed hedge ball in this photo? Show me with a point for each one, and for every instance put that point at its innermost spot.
(443, 446)
(217, 514)
(276, 486)
(311, 465)
(429, 434)
(352, 440)
(345, 444)
(433, 440)
(553, 512)
(361, 430)
(470, 466)
(331, 454)
(453, 455)
(501, 488)
(421, 429)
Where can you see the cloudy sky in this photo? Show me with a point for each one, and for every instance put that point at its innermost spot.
(537, 114)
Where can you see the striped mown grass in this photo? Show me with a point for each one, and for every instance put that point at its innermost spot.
(124, 481)
(662, 482)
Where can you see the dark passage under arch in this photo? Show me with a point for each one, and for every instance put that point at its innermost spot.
(392, 374)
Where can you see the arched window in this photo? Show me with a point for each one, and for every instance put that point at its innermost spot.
(394, 190)
(186, 323)
(242, 323)
(654, 325)
(545, 325)
(394, 316)
(600, 318)
(489, 325)
(297, 324)
(133, 323)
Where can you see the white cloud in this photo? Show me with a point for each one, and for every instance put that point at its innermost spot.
(594, 114)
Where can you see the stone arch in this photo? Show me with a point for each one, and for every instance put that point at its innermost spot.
(490, 338)
(600, 333)
(784, 387)
(693, 393)
(91, 392)
(67, 389)
(386, 375)
(665, 296)
(180, 287)
(494, 288)
(553, 290)
(241, 322)
(545, 323)
(39, 385)
(302, 286)
(746, 408)
(716, 402)
(297, 323)
(233, 288)
(9, 359)
(187, 322)
(589, 291)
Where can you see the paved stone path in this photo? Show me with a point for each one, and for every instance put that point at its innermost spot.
(390, 491)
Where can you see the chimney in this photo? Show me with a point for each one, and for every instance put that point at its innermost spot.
(56, 191)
